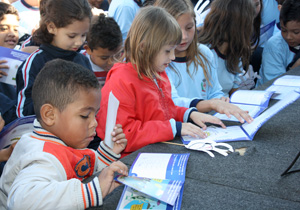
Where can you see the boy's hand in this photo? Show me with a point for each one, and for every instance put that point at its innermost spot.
(199, 118)
(119, 139)
(5, 153)
(2, 66)
(106, 177)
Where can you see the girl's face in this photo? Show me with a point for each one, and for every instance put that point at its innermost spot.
(187, 25)
(70, 37)
(164, 57)
(257, 6)
(9, 27)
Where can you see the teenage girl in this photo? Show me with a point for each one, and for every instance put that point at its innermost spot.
(227, 31)
(146, 111)
(193, 72)
(62, 32)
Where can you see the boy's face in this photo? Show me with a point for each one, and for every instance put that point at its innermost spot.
(9, 28)
(291, 32)
(76, 124)
(103, 57)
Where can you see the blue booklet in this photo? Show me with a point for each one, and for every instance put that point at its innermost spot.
(253, 101)
(155, 168)
(14, 59)
(245, 131)
(14, 130)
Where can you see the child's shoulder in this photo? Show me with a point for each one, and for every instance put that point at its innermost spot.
(277, 42)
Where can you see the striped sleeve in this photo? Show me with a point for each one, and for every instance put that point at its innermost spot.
(105, 155)
(91, 194)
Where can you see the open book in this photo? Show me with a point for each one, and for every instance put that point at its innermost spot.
(14, 59)
(284, 85)
(245, 131)
(155, 167)
(14, 130)
(254, 101)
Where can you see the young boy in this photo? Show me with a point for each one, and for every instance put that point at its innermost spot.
(47, 165)
(104, 44)
(281, 52)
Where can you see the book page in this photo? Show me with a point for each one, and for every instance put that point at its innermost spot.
(14, 59)
(288, 80)
(254, 97)
(252, 128)
(253, 110)
(218, 134)
(281, 91)
(112, 109)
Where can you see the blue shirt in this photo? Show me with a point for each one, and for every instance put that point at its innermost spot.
(275, 58)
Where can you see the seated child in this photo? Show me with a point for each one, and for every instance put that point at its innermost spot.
(9, 24)
(49, 164)
(147, 111)
(282, 51)
(104, 43)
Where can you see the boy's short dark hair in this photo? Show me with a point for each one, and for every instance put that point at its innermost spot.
(58, 82)
(290, 11)
(7, 9)
(104, 33)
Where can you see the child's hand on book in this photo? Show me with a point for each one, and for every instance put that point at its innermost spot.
(119, 139)
(106, 177)
(200, 119)
(3, 66)
(231, 109)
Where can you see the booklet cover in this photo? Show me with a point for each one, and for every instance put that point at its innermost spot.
(159, 166)
(254, 101)
(245, 131)
(284, 85)
(14, 59)
(14, 130)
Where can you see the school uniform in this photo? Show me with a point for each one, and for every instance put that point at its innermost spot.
(29, 69)
(123, 12)
(189, 88)
(99, 72)
(146, 111)
(227, 80)
(277, 55)
(44, 173)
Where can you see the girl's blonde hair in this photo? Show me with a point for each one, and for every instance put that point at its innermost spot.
(230, 21)
(177, 8)
(151, 29)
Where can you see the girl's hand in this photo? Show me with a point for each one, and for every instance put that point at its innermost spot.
(119, 139)
(231, 109)
(2, 66)
(106, 177)
(192, 130)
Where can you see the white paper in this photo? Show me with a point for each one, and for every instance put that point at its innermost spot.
(112, 109)
(255, 97)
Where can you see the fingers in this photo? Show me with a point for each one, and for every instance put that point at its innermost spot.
(119, 167)
(2, 73)
(192, 130)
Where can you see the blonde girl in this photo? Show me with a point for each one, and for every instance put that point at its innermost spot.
(147, 112)
(194, 72)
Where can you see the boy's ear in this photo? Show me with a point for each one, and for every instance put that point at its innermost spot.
(88, 49)
(47, 113)
(51, 28)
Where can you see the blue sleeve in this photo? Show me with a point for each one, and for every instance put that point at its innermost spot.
(124, 16)
(25, 77)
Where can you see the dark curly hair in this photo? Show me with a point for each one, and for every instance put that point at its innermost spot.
(7, 9)
(104, 33)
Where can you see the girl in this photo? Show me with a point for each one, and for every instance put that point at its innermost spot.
(226, 31)
(62, 32)
(147, 112)
(193, 71)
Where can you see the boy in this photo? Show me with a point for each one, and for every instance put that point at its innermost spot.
(281, 52)
(104, 44)
(47, 165)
